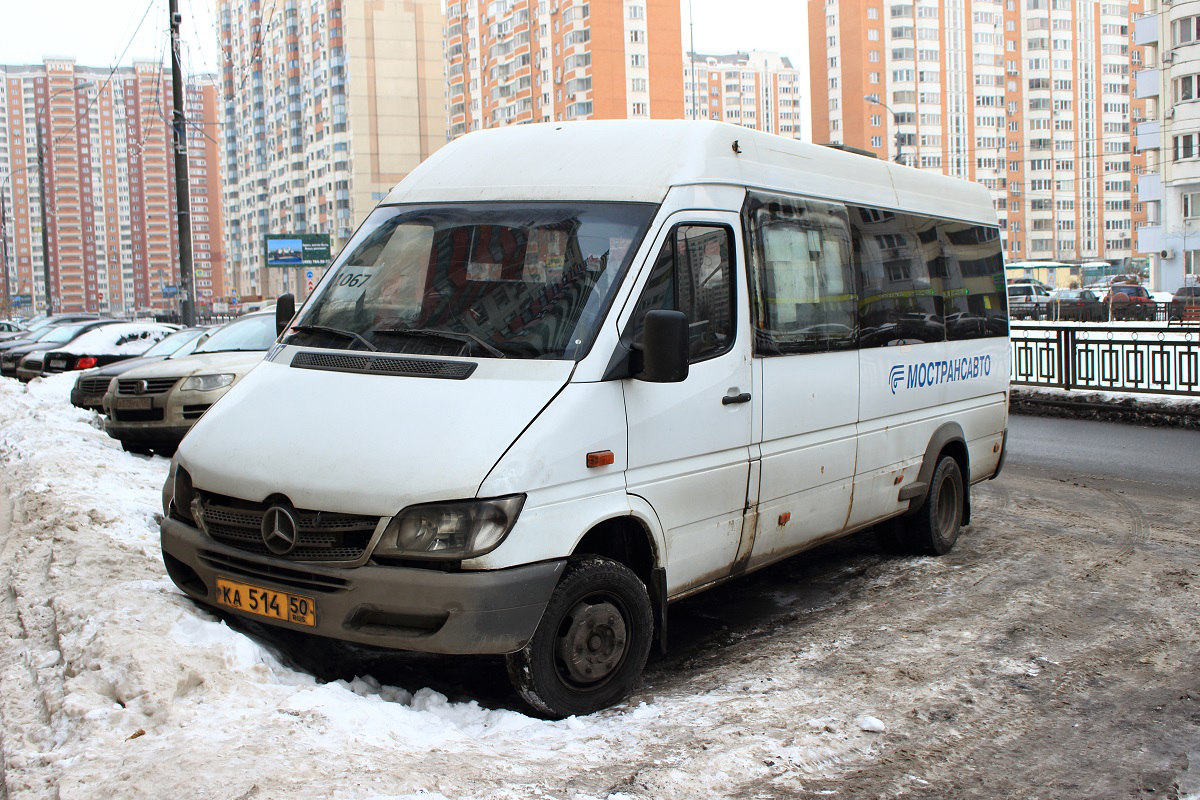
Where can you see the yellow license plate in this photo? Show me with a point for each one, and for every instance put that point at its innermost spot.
(267, 602)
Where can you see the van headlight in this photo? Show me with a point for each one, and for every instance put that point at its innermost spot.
(206, 383)
(450, 531)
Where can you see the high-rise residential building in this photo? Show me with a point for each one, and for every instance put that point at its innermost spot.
(759, 90)
(515, 61)
(1030, 97)
(327, 105)
(109, 184)
(1170, 187)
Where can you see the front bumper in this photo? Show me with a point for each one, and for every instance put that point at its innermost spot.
(163, 424)
(91, 402)
(405, 608)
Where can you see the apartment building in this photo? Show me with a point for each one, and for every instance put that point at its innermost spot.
(1030, 97)
(518, 61)
(1170, 138)
(756, 89)
(109, 189)
(327, 104)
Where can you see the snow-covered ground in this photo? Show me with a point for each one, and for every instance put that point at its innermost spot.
(113, 684)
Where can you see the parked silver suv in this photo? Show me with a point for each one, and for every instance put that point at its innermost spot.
(1028, 300)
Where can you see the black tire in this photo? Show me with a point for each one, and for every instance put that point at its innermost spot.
(934, 528)
(601, 611)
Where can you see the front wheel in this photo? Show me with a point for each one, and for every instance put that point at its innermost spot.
(934, 528)
(591, 644)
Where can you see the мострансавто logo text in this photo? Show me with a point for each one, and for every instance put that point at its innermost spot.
(933, 373)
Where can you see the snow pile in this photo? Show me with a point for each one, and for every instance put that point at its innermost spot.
(112, 683)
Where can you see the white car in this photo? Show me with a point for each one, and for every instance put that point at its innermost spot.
(1029, 300)
(151, 408)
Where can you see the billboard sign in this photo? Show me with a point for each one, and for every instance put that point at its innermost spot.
(296, 249)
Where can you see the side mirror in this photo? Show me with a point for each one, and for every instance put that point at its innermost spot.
(664, 347)
(285, 309)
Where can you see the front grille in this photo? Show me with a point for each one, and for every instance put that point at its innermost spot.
(321, 535)
(94, 385)
(138, 414)
(244, 568)
(153, 385)
(194, 412)
(385, 365)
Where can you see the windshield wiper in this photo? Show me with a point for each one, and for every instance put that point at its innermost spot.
(454, 336)
(337, 332)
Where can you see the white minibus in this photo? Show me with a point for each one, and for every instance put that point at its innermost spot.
(567, 374)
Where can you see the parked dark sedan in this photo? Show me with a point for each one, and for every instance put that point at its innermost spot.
(1185, 304)
(91, 385)
(95, 348)
(1080, 305)
(10, 359)
(39, 326)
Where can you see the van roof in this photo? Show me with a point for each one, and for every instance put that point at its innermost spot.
(640, 160)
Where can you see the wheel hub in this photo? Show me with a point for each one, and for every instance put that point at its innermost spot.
(594, 642)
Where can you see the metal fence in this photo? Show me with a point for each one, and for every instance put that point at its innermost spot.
(1109, 358)
(1106, 312)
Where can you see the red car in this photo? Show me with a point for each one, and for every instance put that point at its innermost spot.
(1129, 301)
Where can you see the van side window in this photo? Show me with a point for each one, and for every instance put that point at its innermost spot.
(804, 297)
(898, 257)
(694, 274)
(974, 286)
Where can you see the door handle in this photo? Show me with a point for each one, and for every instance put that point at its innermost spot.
(731, 399)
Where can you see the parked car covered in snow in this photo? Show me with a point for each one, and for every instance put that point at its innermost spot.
(151, 408)
(52, 338)
(7, 326)
(96, 348)
(91, 384)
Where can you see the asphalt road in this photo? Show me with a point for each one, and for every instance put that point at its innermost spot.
(1086, 448)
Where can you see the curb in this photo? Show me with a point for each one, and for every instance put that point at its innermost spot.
(1168, 412)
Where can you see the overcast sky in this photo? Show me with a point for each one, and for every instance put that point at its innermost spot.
(101, 33)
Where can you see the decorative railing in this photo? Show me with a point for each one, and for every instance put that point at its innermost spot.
(1108, 358)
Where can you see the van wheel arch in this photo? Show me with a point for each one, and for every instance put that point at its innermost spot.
(948, 440)
(627, 541)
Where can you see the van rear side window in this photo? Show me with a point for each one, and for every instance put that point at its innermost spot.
(828, 277)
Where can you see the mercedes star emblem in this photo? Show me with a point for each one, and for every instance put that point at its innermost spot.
(279, 530)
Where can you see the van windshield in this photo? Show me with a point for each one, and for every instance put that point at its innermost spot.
(488, 280)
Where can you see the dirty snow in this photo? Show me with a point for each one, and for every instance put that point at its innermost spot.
(112, 683)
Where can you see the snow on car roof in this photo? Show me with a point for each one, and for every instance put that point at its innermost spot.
(118, 339)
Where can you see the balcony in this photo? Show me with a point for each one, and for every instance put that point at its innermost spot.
(1146, 83)
(1145, 29)
(1149, 136)
(1149, 187)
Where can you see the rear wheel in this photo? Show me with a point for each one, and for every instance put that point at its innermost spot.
(591, 643)
(934, 528)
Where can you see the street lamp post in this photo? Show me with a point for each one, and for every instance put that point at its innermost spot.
(42, 191)
(895, 121)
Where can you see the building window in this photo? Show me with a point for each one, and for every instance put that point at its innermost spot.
(1185, 146)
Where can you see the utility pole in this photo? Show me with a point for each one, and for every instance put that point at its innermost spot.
(4, 244)
(182, 197)
(45, 217)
